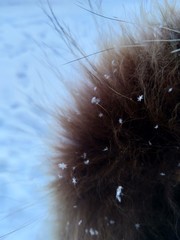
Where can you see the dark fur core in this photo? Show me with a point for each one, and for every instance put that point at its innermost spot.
(126, 133)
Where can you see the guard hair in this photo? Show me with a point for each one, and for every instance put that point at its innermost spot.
(117, 156)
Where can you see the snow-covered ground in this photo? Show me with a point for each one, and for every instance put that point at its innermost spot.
(32, 71)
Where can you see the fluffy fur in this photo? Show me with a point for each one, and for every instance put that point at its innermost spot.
(118, 165)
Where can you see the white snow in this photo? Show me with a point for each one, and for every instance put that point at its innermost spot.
(62, 166)
(93, 232)
(105, 149)
(137, 226)
(86, 162)
(162, 174)
(114, 63)
(170, 89)
(80, 222)
(150, 143)
(120, 121)
(140, 98)
(95, 100)
(101, 115)
(74, 180)
(112, 222)
(119, 193)
(107, 76)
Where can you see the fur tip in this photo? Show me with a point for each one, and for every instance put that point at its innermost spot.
(118, 165)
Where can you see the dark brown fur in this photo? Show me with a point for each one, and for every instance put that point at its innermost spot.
(133, 143)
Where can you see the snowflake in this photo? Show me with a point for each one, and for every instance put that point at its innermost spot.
(114, 63)
(86, 162)
(101, 115)
(79, 223)
(74, 180)
(62, 166)
(95, 100)
(106, 76)
(120, 120)
(150, 143)
(140, 98)
(119, 193)
(60, 176)
(156, 127)
(162, 174)
(105, 149)
(93, 232)
(95, 88)
(170, 89)
(137, 226)
(112, 222)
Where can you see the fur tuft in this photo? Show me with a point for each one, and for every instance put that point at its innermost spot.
(118, 165)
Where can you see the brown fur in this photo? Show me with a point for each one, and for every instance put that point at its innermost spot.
(133, 143)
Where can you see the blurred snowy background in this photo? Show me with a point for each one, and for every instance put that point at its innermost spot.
(32, 71)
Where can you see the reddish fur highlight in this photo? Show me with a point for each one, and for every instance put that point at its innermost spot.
(140, 152)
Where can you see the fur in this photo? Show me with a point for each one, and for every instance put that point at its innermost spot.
(118, 163)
